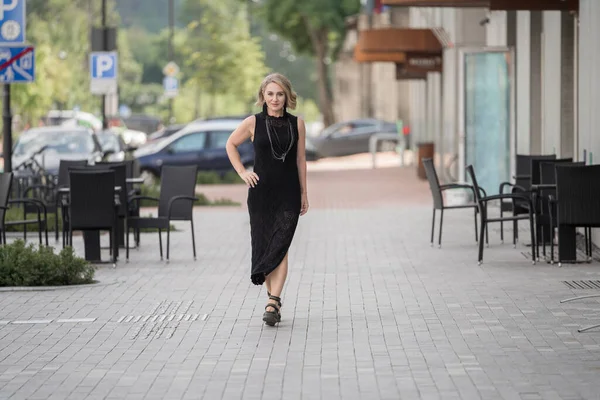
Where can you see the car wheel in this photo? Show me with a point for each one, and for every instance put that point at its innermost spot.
(150, 179)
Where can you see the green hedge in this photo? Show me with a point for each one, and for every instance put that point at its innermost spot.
(22, 265)
(212, 178)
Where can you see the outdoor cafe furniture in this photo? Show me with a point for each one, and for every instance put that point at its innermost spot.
(92, 207)
(176, 202)
(482, 204)
(438, 198)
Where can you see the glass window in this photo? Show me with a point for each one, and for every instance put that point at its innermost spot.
(191, 142)
(218, 139)
(60, 141)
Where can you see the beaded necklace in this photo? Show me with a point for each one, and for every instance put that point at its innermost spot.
(277, 150)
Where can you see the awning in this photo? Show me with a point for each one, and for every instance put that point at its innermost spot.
(494, 5)
(404, 40)
(534, 5)
(436, 3)
(415, 51)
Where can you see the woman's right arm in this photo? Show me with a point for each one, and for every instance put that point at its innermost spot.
(242, 133)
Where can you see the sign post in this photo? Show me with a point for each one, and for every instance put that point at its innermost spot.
(12, 32)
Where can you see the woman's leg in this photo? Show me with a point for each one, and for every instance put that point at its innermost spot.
(268, 284)
(276, 280)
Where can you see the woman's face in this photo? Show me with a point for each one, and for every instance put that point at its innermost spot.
(274, 97)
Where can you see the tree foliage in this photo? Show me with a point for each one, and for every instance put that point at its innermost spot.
(315, 27)
(60, 31)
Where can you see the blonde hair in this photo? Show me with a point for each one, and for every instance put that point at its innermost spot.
(286, 85)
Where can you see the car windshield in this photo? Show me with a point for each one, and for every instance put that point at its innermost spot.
(60, 141)
(109, 142)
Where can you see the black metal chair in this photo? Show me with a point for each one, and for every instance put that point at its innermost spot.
(482, 203)
(5, 190)
(577, 206)
(438, 198)
(539, 202)
(522, 184)
(92, 204)
(176, 202)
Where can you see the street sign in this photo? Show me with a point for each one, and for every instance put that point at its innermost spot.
(171, 86)
(17, 64)
(171, 69)
(103, 71)
(12, 22)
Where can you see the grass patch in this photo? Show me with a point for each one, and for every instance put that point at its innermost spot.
(22, 265)
(214, 178)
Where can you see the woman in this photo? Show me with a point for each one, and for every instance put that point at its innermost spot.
(277, 187)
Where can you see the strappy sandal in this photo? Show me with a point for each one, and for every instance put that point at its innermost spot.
(272, 317)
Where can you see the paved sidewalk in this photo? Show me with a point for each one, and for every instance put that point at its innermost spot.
(370, 311)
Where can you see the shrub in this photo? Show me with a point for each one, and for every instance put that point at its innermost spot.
(212, 178)
(24, 265)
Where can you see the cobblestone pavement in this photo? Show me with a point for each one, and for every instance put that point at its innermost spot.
(370, 311)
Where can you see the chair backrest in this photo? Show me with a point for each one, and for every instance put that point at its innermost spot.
(547, 169)
(92, 199)
(434, 183)
(177, 181)
(578, 194)
(63, 170)
(471, 173)
(6, 179)
(535, 167)
(523, 168)
(120, 180)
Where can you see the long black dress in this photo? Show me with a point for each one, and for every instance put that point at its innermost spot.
(274, 203)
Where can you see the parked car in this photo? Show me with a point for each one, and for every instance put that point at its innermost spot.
(350, 137)
(70, 118)
(112, 145)
(199, 143)
(49, 145)
(164, 132)
(144, 123)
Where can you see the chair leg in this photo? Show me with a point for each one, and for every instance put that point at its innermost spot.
(543, 243)
(533, 244)
(168, 239)
(475, 220)
(193, 239)
(432, 227)
(441, 226)
(114, 242)
(515, 233)
(56, 218)
(482, 231)
(126, 242)
(501, 225)
(46, 226)
(552, 244)
(24, 226)
(160, 243)
(40, 228)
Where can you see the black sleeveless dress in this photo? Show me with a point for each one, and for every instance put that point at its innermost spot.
(274, 203)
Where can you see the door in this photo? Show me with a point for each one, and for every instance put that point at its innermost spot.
(215, 153)
(487, 117)
(187, 150)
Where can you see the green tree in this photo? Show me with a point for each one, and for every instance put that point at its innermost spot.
(220, 55)
(315, 27)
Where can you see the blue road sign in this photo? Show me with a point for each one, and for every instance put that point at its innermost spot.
(171, 86)
(103, 65)
(12, 22)
(103, 71)
(17, 64)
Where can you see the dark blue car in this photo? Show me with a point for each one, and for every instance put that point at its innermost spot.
(199, 143)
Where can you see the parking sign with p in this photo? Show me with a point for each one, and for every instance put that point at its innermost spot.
(12, 22)
(103, 71)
